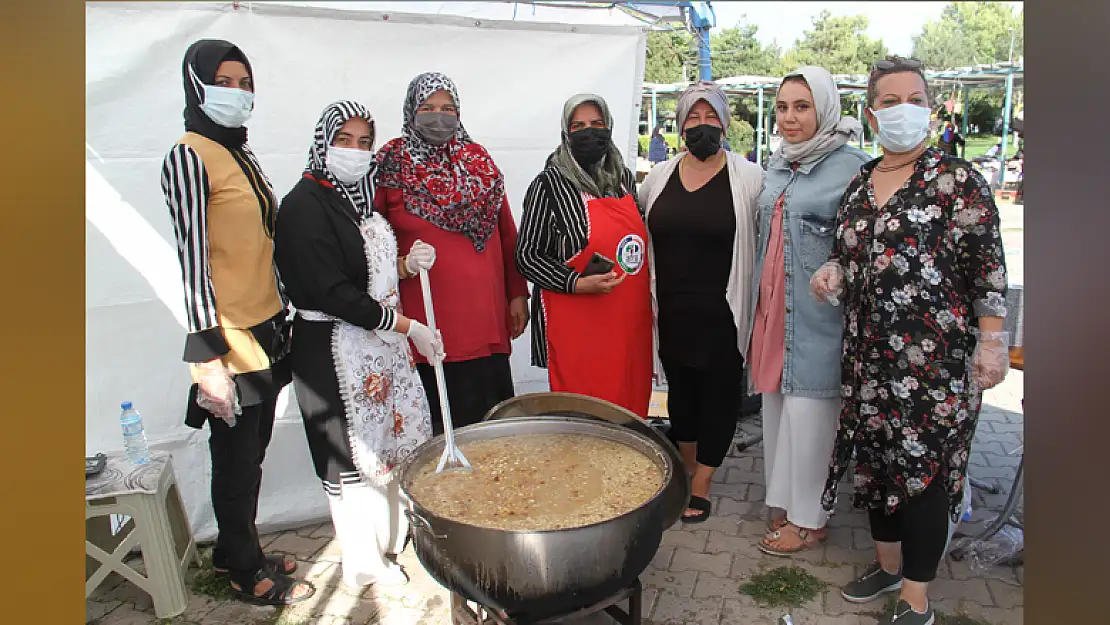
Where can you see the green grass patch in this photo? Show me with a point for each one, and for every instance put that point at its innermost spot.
(208, 583)
(977, 145)
(787, 586)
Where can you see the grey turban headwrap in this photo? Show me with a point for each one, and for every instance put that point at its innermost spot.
(705, 90)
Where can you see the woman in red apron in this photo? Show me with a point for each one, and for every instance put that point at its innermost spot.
(592, 325)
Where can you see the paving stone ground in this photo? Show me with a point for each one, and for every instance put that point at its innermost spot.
(694, 579)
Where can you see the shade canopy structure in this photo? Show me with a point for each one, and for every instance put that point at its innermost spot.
(304, 55)
(763, 88)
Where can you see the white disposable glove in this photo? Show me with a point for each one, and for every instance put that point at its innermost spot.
(827, 283)
(991, 361)
(421, 256)
(428, 344)
(216, 392)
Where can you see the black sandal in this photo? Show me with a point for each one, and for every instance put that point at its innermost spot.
(280, 593)
(275, 563)
(702, 505)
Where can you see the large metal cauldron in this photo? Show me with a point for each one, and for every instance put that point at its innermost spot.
(532, 575)
(676, 494)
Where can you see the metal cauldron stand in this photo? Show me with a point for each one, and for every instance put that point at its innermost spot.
(463, 614)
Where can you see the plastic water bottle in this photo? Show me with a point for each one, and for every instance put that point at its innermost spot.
(134, 437)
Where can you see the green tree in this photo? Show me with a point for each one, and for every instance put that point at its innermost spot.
(836, 43)
(970, 33)
(667, 52)
(737, 52)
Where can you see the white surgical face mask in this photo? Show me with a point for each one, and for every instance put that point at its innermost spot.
(902, 127)
(349, 165)
(227, 106)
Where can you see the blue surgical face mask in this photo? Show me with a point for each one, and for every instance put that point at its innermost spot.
(227, 106)
(903, 127)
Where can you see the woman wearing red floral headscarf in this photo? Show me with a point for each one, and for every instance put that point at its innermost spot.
(436, 185)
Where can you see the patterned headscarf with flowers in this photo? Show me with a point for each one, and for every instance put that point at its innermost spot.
(455, 186)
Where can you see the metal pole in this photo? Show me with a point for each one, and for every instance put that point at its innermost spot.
(859, 115)
(770, 128)
(967, 109)
(1006, 112)
(705, 62)
(759, 130)
(654, 111)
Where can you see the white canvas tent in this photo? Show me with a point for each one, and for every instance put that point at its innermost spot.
(513, 72)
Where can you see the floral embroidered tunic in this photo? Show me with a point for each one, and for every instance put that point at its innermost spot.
(919, 272)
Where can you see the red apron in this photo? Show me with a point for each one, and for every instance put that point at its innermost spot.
(600, 345)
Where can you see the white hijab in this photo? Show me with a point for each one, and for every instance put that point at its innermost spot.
(833, 130)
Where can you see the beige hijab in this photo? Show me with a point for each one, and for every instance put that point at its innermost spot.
(833, 130)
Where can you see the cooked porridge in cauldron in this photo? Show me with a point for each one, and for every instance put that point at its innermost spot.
(540, 482)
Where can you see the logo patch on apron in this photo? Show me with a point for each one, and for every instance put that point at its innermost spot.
(630, 254)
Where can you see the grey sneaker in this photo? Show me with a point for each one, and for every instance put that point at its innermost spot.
(874, 582)
(904, 615)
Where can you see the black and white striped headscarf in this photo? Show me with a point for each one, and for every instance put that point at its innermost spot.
(361, 193)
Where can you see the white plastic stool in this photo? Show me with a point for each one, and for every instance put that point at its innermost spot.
(149, 495)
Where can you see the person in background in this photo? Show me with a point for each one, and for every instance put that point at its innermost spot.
(363, 407)
(950, 139)
(437, 185)
(657, 147)
(223, 209)
(919, 267)
(701, 210)
(592, 328)
(794, 361)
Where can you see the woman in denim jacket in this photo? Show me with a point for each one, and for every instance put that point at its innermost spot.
(796, 341)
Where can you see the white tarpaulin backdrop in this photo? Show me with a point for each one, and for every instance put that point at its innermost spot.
(513, 77)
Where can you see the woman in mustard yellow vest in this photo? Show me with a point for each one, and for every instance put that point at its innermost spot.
(223, 212)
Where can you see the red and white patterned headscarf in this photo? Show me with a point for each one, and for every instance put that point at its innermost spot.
(455, 186)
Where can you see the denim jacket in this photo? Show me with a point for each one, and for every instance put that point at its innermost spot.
(814, 330)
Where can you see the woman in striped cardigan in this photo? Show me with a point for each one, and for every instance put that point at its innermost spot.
(223, 211)
(582, 243)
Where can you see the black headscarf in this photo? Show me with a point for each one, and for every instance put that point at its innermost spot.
(205, 56)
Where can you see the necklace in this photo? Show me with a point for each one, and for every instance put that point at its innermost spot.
(888, 168)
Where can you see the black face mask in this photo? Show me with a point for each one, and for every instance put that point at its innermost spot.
(589, 145)
(703, 141)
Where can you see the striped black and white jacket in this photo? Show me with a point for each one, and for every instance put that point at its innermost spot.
(553, 229)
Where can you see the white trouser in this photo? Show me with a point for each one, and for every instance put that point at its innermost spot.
(369, 522)
(798, 438)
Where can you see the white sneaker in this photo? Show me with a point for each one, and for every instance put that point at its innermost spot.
(393, 575)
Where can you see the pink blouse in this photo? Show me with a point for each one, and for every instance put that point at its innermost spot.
(765, 360)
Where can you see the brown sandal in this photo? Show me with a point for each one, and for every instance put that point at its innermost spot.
(807, 539)
(776, 524)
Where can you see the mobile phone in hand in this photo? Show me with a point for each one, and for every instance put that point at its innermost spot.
(598, 265)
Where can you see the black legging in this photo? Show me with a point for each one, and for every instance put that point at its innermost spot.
(237, 455)
(921, 525)
(704, 406)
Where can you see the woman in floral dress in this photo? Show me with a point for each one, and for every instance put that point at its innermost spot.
(919, 266)
(361, 400)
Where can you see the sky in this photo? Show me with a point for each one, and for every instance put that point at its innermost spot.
(894, 22)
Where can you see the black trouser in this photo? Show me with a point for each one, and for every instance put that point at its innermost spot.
(921, 525)
(704, 406)
(237, 454)
(473, 388)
